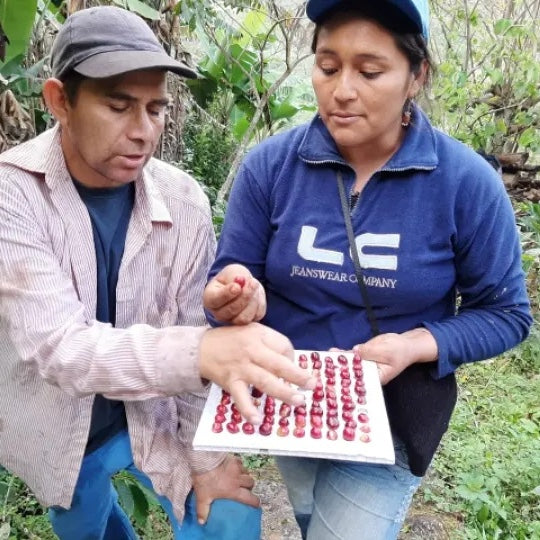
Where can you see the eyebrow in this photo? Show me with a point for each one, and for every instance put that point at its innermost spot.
(361, 56)
(164, 102)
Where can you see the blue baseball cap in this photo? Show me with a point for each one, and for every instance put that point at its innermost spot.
(407, 15)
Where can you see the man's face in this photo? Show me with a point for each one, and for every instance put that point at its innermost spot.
(111, 130)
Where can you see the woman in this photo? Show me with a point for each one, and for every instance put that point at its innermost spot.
(430, 218)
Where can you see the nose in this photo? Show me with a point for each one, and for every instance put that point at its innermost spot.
(141, 128)
(345, 89)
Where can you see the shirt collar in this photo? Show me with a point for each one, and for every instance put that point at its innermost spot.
(43, 156)
(417, 152)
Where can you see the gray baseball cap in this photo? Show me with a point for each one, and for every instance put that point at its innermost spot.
(106, 41)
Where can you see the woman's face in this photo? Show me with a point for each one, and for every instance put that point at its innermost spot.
(361, 81)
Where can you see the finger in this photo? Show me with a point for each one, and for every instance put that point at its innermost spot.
(248, 314)
(335, 349)
(281, 365)
(246, 496)
(242, 398)
(247, 481)
(203, 509)
(237, 303)
(261, 303)
(218, 295)
(273, 386)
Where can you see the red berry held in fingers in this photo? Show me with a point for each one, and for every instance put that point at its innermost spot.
(241, 280)
(217, 427)
(232, 427)
(248, 428)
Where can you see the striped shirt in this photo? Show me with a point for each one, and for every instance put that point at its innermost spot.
(55, 356)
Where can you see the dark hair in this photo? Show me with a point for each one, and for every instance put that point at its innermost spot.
(412, 45)
(72, 82)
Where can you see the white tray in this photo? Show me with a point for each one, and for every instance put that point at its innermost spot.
(379, 449)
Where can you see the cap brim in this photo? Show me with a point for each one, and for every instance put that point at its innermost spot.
(110, 64)
(403, 14)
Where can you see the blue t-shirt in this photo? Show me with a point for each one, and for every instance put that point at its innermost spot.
(110, 211)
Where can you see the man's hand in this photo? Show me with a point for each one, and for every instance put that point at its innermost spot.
(234, 296)
(395, 352)
(236, 356)
(230, 480)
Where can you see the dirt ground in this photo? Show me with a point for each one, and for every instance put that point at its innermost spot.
(279, 523)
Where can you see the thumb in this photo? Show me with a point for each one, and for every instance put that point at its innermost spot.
(218, 293)
(203, 509)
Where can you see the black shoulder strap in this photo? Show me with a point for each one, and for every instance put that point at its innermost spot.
(356, 260)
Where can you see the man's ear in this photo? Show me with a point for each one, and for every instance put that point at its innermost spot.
(56, 99)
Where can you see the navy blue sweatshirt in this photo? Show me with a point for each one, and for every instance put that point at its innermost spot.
(434, 221)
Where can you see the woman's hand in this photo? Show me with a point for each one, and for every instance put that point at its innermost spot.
(234, 296)
(395, 352)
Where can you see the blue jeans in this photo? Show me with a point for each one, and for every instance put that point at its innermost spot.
(346, 500)
(96, 515)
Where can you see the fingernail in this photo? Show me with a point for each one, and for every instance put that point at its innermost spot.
(201, 521)
(298, 399)
(255, 419)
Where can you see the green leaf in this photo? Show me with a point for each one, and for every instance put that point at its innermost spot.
(502, 25)
(125, 496)
(141, 507)
(17, 18)
(143, 10)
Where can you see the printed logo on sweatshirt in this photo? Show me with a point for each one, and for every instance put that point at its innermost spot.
(309, 252)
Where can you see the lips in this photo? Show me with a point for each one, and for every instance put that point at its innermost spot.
(133, 161)
(344, 118)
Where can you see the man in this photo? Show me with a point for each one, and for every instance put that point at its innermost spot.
(104, 253)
